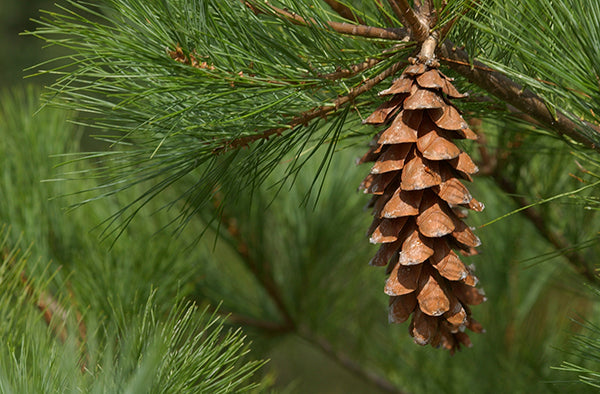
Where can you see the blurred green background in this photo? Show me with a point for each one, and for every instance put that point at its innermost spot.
(19, 52)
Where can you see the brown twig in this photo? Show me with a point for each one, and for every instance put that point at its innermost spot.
(419, 31)
(366, 65)
(344, 11)
(512, 93)
(397, 34)
(57, 317)
(263, 276)
(347, 363)
(490, 165)
(426, 10)
(399, 14)
(305, 117)
(427, 53)
(267, 281)
(192, 60)
(54, 314)
(242, 320)
(558, 240)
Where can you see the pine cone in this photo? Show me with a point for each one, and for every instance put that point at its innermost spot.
(418, 204)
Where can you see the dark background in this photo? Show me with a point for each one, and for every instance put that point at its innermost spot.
(18, 51)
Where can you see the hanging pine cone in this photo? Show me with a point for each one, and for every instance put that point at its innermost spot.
(418, 203)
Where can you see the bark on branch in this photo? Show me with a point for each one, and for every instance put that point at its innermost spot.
(289, 326)
(419, 31)
(345, 362)
(491, 81)
(352, 70)
(492, 166)
(344, 11)
(512, 93)
(307, 116)
(397, 34)
(560, 243)
(260, 270)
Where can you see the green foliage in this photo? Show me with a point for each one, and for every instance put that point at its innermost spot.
(186, 351)
(332, 296)
(111, 328)
(586, 346)
(260, 73)
(550, 47)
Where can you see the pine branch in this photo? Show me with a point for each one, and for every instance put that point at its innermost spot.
(290, 325)
(57, 317)
(445, 29)
(264, 325)
(560, 243)
(344, 11)
(405, 13)
(263, 276)
(307, 116)
(242, 320)
(426, 9)
(347, 363)
(511, 92)
(364, 66)
(490, 167)
(340, 27)
(320, 343)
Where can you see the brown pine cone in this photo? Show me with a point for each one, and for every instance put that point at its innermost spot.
(417, 201)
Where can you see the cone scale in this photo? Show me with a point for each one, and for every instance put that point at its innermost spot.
(418, 203)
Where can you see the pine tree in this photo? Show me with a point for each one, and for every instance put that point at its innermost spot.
(212, 107)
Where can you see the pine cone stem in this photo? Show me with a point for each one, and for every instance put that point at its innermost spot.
(427, 53)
